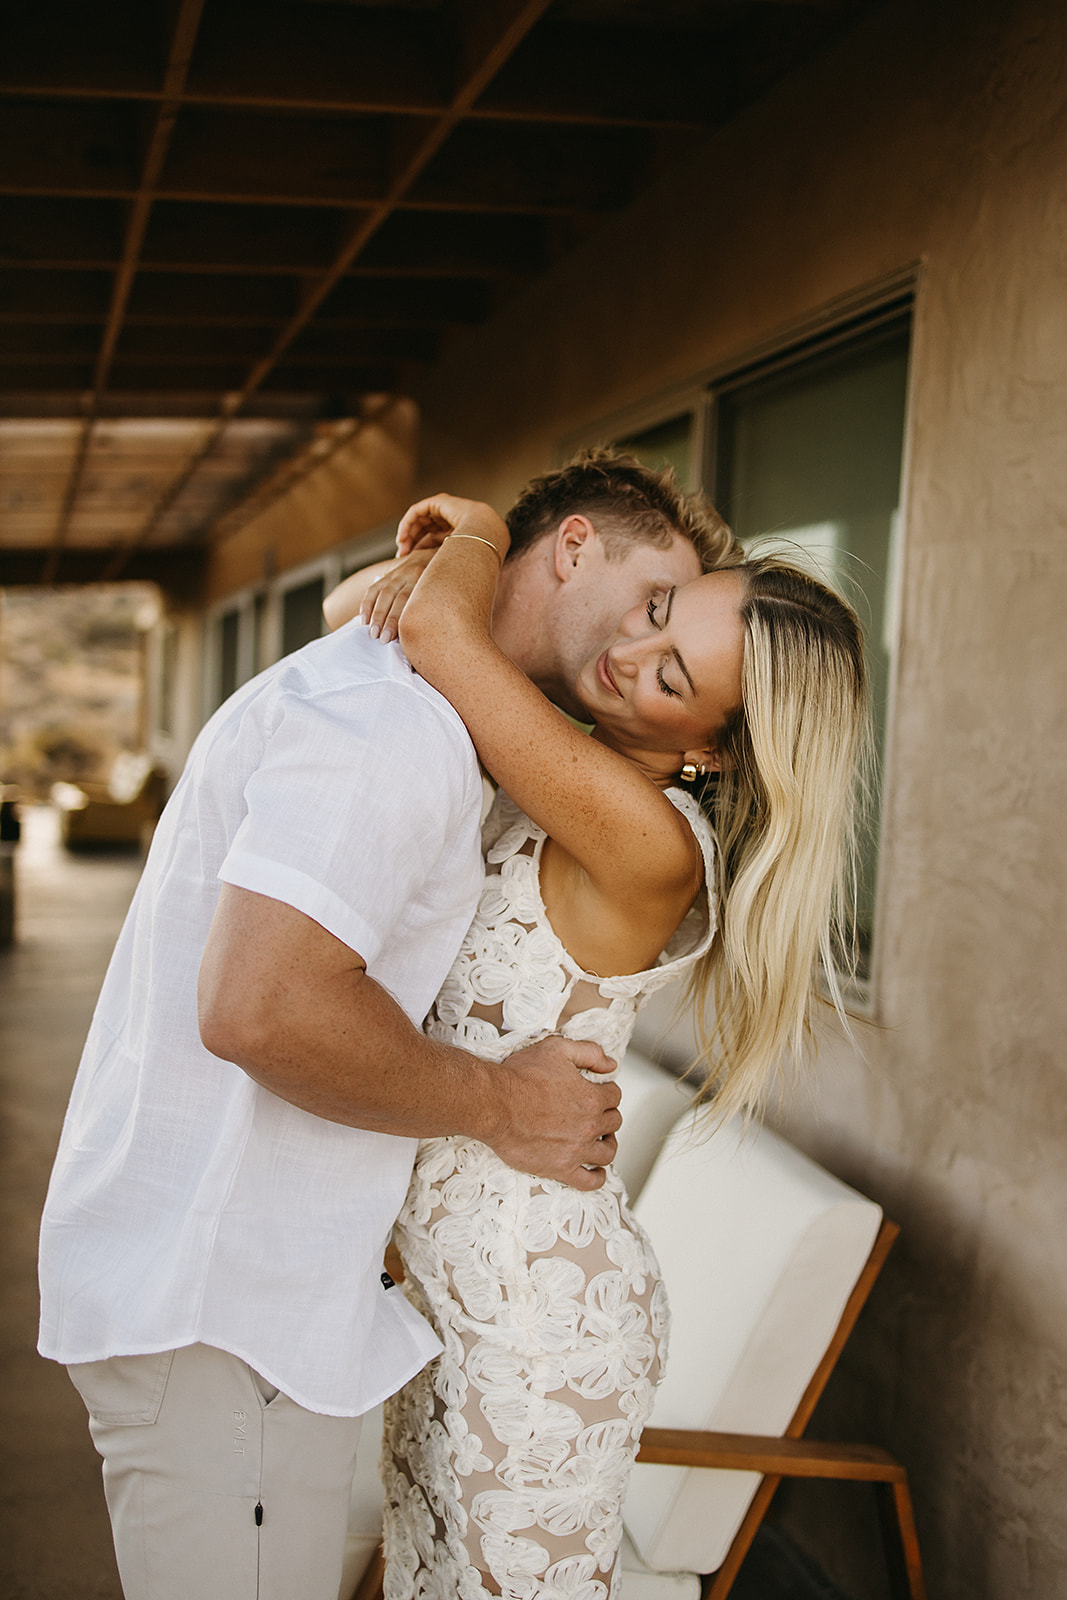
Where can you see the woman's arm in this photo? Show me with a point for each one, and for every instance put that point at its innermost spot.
(628, 843)
(377, 593)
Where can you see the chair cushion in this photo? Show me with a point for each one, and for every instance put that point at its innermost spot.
(760, 1249)
(652, 1101)
(641, 1583)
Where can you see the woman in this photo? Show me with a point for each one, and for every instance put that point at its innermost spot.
(506, 1461)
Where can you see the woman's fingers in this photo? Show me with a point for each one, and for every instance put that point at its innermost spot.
(426, 524)
(382, 608)
(384, 601)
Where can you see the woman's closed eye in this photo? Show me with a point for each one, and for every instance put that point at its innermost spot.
(654, 602)
(659, 599)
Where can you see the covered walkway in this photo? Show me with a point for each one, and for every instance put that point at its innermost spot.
(55, 1543)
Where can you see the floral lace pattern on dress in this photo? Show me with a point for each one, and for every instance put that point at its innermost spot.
(506, 1460)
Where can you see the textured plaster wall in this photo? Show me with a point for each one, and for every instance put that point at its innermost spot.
(934, 134)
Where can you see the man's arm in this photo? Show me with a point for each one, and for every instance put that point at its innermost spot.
(294, 1008)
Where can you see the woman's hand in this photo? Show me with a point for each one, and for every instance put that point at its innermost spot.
(427, 524)
(377, 593)
(385, 599)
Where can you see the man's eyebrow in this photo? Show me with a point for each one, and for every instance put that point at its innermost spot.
(674, 652)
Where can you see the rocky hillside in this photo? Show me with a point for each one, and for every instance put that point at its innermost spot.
(70, 681)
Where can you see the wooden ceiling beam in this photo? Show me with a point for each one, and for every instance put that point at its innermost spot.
(73, 48)
(490, 116)
(350, 61)
(183, 37)
(489, 32)
(510, 203)
(262, 204)
(345, 380)
(577, 115)
(119, 405)
(487, 270)
(274, 299)
(208, 320)
(187, 22)
(181, 344)
(365, 57)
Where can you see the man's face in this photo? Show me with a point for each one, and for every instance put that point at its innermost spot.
(591, 606)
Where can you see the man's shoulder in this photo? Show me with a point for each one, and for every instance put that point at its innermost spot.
(348, 675)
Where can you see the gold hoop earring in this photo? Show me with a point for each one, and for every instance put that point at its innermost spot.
(691, 772)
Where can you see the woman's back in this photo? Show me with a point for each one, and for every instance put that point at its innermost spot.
(514, 981)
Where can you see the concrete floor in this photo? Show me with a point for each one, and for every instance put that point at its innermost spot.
(55, 1542)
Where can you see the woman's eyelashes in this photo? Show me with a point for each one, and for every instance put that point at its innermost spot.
(654, 602)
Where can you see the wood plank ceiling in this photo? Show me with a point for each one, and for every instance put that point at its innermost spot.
(230, 227)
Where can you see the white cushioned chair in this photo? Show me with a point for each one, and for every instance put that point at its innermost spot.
(765, 1277)
(767, 1261)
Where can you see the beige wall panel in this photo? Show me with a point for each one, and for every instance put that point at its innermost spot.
(365, 483)
(936, 134)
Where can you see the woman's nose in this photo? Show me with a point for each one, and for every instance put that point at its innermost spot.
(626, 656)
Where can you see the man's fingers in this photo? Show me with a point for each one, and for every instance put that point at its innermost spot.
(587, 1178)
(589, 1057)
(566, 1116)
(607, 1149)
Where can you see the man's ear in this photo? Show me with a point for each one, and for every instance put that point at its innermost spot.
(574, 538)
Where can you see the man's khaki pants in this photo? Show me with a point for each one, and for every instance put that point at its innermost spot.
(218, 1486)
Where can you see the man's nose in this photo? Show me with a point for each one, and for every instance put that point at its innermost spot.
(634, 623)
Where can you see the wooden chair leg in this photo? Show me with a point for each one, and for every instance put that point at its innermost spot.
(721, 1582)
(900, 1541)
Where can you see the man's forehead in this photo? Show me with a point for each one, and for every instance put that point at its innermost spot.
(679, 563)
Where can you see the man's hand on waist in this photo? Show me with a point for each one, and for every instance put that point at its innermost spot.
(557, 1122)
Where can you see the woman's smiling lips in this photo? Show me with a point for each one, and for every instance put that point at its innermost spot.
(603, 672)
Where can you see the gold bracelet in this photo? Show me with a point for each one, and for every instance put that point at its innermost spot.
(487, 542)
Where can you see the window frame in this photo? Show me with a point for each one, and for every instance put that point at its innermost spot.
(842, 325)
(260, 609)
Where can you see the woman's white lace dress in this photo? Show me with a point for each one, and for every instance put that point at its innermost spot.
(506, 1460)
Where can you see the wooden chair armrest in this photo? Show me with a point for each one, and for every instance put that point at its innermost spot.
(785, 1458)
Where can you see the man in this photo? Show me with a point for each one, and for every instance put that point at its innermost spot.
(231, 1164)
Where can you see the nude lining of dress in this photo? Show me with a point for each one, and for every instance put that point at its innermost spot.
(584, 991)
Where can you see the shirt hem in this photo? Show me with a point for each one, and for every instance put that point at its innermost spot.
(379, 1392)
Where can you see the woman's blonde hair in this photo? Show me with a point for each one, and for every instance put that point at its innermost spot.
(784, 810)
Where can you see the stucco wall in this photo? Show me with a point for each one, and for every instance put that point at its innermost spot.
(932, 134)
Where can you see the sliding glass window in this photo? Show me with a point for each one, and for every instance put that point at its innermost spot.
(807, 459)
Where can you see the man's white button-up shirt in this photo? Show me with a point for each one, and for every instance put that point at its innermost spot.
(187, 1203)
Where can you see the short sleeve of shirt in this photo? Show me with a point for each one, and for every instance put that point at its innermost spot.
(353, 806)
